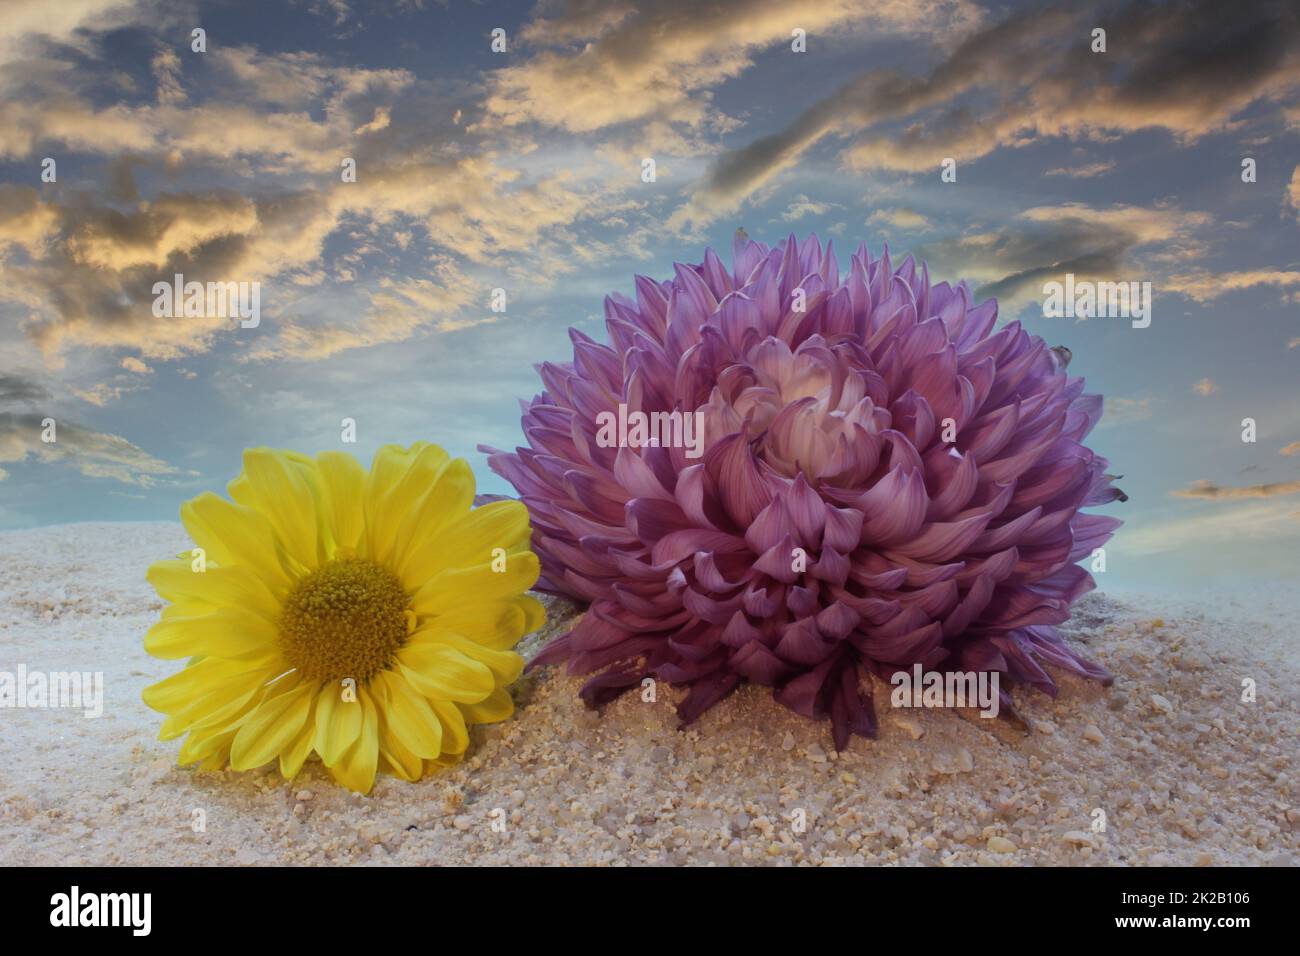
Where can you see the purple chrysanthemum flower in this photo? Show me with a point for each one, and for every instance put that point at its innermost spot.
(885, 480)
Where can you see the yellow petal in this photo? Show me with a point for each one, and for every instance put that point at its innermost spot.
(271, 727)
(534, 612)
(444, 760)
(505, 665)
(394, 756)
(409, 716)
(471, 540)
(279, 488)
(297, 750)
(338, 723)
(398, 479)
(498, 705)
(440, 672)
(215, 587)
(226, 710)
(495, 624)
(434, 493)
(231, 632)
(218, 759)
(343, 483)
(211, 675)
(430, 523)
(212, 748)
(391, 462)
(455, 735)
(356, 768)
(236, 535)
(479, 583)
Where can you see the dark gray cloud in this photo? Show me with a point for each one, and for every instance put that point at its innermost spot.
(17, 389)
(1189, 67)
(93, 453)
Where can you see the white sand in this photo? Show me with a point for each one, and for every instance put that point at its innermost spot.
(1209, 780)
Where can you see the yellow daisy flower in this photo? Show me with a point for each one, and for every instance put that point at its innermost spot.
(368, 618)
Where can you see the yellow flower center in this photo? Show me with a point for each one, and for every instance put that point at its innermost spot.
(345, 619)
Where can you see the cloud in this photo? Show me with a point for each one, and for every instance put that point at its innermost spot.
(88, 271)
(100, 394)
(92, 453)
(803, 206)
(1206, 286)
(1125, 411)
(279, 112)
(398, 310)
(598, 65)
(166, 67)
(91, 282)
(26, 223)
(1189, 68)
(901, 218)
(1208, 491)
(29, 27)
(1293, 190)
(1294, 343)
(1086, 171)
(133, 364)
(1044, 243)
(1205, 387)
(20, 390)
(1291, 449)
(1230, 525)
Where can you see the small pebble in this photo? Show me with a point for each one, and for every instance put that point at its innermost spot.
(1093, 734)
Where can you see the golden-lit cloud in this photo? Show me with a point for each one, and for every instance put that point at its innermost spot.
(802, 206)
(1206, 286)
(597, 66)
(1291, 449)
(27, 24)
(901, 218)
(25, 221)
(166, 66)
(171, 226)
(1209, 491)
(397, 311)
(87, 271)
(1205, 387)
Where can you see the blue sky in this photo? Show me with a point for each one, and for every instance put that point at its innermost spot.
(521, 170)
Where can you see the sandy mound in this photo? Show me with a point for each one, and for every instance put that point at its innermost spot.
(1183, 770)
